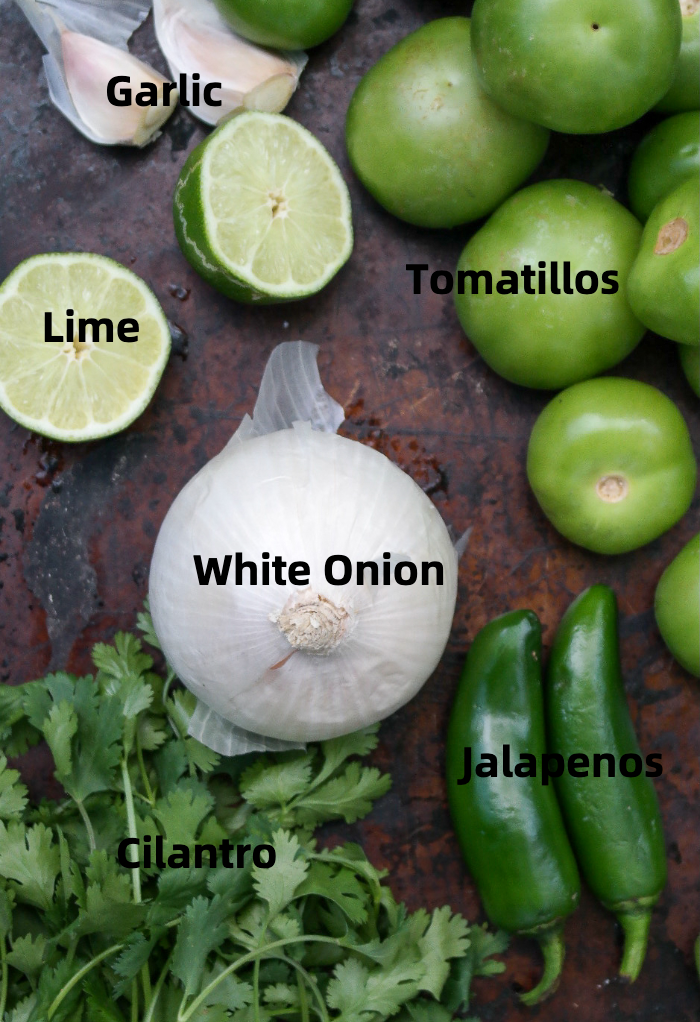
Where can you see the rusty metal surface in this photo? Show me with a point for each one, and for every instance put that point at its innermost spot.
(78, 524)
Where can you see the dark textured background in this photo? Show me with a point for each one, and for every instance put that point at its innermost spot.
(77, 524)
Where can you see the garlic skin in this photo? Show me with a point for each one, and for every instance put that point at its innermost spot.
(87, 45)
(89, 64)
(306, 663)
(195, 38)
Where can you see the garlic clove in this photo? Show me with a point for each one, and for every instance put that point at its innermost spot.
(87, 45)
(89, 65)
(195, 38)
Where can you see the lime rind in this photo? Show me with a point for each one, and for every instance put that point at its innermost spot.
(87, 398)
(262, 211)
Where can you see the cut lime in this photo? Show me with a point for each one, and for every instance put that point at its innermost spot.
(78, 389)
(262, 211)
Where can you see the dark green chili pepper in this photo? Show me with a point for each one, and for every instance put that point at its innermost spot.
(509, 825)
(613, 819)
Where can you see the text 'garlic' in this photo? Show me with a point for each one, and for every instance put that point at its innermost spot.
(87, 47)
(195, 38)
(299, 663)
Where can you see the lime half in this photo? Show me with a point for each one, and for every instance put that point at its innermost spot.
(262, 211)
(78, 389)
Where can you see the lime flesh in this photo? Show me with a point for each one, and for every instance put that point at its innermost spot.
(72, 390)
(262, 211)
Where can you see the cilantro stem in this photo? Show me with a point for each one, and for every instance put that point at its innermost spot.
(144, 775)
(148, 1017)
(134, 1001)
(135, 873)
(131, 824)
(256, 991)
(251, 957)
(169, 679)
(302, 975)
(3, 982)
(146, 982)
(88, 825)
(303, 999)
(77, 977)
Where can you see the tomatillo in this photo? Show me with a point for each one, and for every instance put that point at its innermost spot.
(579, 66)
(285, 24)
(684, 93)
(677, 606)
(664, 283)
(543, 285)
(425, 140)
(690, 363)
(611, 464)
(664, 159)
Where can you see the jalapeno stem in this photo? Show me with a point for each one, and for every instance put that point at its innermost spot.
(636, 927)
(552, 944)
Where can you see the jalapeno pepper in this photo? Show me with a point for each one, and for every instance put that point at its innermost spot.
(510, 827)
(613, 820)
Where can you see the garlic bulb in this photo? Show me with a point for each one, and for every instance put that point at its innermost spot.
(195, 38)
(314, 660)
(87, 46)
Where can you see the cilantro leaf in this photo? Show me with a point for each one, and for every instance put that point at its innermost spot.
(477, 962)
(29, 857)
(348, 796)
(27, 954)
(202, 929)
(281, 994)
(13, 794)
(136, 953)
(17, 734)
(272, 786)
(23, 1010)
(277, 884)
(109, 908)
(337, 750)
(337, 885)
(182, 812)
(59, 728)
(82, 730)
(176, 889)
(121, 662)
(358, 993)
(230, 992)
(144, 623)
(445, 938)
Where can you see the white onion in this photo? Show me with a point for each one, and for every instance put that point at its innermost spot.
(308, 663)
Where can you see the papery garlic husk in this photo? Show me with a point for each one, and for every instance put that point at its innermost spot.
(311, 662)
(87, 45)
(195, 38)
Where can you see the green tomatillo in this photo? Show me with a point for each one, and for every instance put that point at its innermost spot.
(543, 285)
(664, 159)
(578, 66)
(285, 24)
(684, 93)
(426, 141)
(611, 464)
(664, 283)
(677, 606)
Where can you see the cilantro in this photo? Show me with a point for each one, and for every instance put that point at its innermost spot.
(13, 794)
(317, 935)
